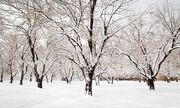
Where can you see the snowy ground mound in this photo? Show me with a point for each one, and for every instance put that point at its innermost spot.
(123, 94)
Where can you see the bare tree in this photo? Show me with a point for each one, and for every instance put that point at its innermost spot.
(154, 45)
(32, 27)
(2, 68)
(67, 71)
(84, 23)
(23, 54)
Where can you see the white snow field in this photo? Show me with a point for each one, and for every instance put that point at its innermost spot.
(122, 94)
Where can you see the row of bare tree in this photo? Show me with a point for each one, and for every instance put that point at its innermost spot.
(43, 37)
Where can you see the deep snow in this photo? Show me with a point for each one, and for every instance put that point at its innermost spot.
(122, 94)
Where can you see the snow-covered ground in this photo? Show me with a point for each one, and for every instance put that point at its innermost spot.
(123, 94)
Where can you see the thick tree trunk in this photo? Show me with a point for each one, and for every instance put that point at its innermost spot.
(2, 73)
(88, 87)
(151, 84)
(39, 82)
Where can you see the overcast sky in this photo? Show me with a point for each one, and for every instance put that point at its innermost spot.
(144, 4)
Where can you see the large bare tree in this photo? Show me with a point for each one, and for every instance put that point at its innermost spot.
(88, 26)
(151, 43)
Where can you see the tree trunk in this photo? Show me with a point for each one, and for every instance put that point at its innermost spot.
(71, 78)
(11, 78)
(11, 73)
(22, 74)
(88, 87)
(168, 79)
(112, 80)
(97, 80)
(39, 82)
(21, 80)
(151, 84)
(47, 79)
(67, 80)
(52, 76)
(2, 73)
(176, 79)
(31, 77)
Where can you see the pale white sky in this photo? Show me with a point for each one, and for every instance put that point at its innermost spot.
(143, 5)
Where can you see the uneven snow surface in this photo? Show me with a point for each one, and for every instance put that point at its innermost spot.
(122, 94)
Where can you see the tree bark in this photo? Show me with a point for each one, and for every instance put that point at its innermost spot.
(151, 84)
(112, 80)
(168, 79)
(22, 74)
(47, 79)
(88, 87)
(39, 82)
(71, 78)
(11, 79)
(2, 73)
(21, 80)
(67, 80)
(31, 77)
(97, 80)
(52, 76)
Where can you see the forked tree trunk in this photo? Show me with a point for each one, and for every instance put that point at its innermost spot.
(88, 87)
(67, 80)
(151, 84)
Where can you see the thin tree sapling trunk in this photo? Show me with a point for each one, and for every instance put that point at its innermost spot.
(2, 74)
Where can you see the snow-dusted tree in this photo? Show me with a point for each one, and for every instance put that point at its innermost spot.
(23, 54)
(11, 48)
(67, 71)
(2, 67)
(35, 29)
(1, 51)
(151, 43)
(88, 26)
